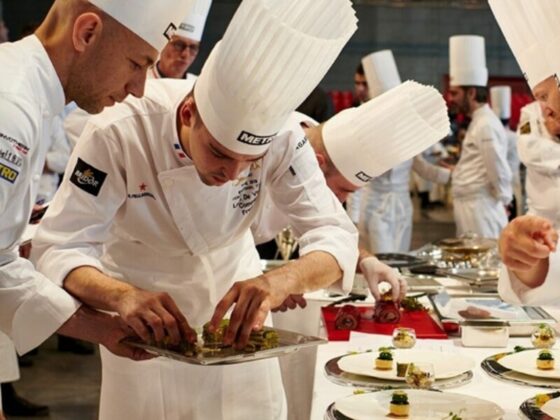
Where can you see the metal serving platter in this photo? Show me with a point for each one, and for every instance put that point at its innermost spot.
(289, 342)
(493, 368)
(339, 377)
(530, 410)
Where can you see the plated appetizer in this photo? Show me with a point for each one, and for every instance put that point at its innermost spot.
(545, 360)
(404, 338)
(263, 339)
(399, 406)
(385, 359)
(543, 337)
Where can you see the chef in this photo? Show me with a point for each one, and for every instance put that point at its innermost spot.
(539, 150)
(181, 50)
(167, 218)
(528, 244)
(481, 184)
(348, 155)
(500, 100)
(385, 207)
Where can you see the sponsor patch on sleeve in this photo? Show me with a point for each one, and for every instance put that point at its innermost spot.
(87, 177)
(8, 174)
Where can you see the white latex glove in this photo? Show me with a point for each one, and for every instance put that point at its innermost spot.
(376, 272)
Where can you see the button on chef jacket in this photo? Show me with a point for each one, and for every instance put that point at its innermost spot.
(133, 205)
(31, 95)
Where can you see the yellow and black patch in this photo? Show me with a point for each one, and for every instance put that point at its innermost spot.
(525, 128)
(8, 174)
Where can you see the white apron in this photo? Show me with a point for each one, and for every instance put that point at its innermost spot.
(167, 390)
(9, 369)
(479, 213)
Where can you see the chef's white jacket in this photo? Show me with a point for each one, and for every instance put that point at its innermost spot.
(482, 182)
(31, 95)
(540, 153)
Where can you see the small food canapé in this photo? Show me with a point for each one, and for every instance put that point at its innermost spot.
(543, 337)
(545, 360)
(385, 359)
(404, 338)
(399, 406)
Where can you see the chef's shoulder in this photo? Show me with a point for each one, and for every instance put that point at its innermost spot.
(160, 98)
(489, 127)
(291, 139)
(530, 120)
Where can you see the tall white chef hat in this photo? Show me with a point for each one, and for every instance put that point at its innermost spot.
(543, 16)
(467, 61)
(366, 141)
(381, 72)
(152, 20)
(192, 25)
(500, 98)
(273, 54)
(513, 17)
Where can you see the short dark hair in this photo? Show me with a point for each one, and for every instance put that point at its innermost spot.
(481, 93)
(360, 70)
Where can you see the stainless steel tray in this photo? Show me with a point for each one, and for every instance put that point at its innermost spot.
(339, 377)
(289, 342)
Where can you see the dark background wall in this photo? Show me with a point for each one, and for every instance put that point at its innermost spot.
(418, 36)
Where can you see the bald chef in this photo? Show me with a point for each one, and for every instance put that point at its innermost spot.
(161, 209)
(481, 182)
(182, 49)
(528, 244)
(36, 82)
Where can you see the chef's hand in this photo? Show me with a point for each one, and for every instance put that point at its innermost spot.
(154, 315)
(292, 302)
(114, 332)
(526, 242)
(253, 299)
(376, 272)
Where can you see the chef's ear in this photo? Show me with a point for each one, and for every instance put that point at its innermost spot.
(187, 112)
(322, 161)
(87, 30)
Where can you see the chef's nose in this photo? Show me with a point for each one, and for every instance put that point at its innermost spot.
(137, 84)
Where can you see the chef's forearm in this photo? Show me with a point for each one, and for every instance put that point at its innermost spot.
(94, 288)
(534, 277)
(87, 324)
(313, 271)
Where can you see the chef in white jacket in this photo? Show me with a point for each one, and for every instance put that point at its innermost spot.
(181, 50)
(385, 219)
(481, 183)
(500, 100)
(349, 156)
(539, 150)
(528, 243)
(36, 81)
(169, 215)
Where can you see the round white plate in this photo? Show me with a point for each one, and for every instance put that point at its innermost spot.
(424, 405)
(526, 362)
(446, 365)
(552, 408)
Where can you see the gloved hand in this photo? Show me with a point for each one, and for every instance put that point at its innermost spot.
(376, 272)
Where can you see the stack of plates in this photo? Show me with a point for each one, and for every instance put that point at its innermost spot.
(520, 367)
(424, 405)
(450, 369)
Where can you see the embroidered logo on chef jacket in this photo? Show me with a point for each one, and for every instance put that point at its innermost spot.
(253, 139)
(249, 189)
(362, 176)
(87, 177)
(143, 193)
(301, 143)
(8, 174)
(525, 128)
(179, 151)
(20, 147)
(10, 157)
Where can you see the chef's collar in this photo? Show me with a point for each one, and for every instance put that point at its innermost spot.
(482, 110)
(50, 83)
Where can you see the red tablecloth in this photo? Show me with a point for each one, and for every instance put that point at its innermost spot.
(421, 321)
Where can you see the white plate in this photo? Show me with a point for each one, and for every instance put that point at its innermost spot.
(552, 408)
(424, 405)
(526, 362)
(446, 365)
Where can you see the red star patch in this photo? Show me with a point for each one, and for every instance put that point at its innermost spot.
(143, 187)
